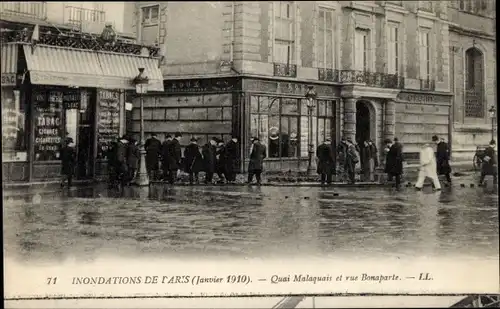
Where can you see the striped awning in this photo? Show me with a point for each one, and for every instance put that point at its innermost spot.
(9, 64)
(52, 65)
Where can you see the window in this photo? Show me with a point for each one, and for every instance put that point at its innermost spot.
(461, 5)
(425, 57)
(150, 15)
(325, 115)
(361, 50)
(13, 126)
(474, 106)
(48, 124)
(393, 49)
(325, 39)
(284, 32)
(426, 6)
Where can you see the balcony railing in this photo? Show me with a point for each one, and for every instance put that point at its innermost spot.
(78, 16)
(283, 69)
(36, 10)
(371, 79)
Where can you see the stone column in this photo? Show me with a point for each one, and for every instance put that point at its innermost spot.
(349, 130)
(390, 119)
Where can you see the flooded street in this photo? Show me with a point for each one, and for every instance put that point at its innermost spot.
(252, 222)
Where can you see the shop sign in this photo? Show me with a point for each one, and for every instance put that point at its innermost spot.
(9, 79)
(108, 120)
(201, 85)
(293, 88)
(71, 100)
(423, 98)
(48, 123)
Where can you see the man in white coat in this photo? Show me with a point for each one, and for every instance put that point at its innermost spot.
(427, 168)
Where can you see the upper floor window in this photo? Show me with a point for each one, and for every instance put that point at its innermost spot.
(426, 6)
(150, 14)
(361, 46)
(325, 37)
(425, 54)
(474, 105)
(284, 32)
(474, 6)
(400, 3)
(393, 49)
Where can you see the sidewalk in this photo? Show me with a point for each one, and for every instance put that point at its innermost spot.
(277, 180)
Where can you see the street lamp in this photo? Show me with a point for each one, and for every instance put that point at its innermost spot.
(141, 82)
(310, 97)
(492, 111)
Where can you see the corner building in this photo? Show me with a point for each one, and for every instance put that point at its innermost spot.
(380, 70)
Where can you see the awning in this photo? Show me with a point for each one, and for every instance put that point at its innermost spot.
(52, 65)
(9, 64)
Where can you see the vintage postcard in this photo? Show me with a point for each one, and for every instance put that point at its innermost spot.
(285, 153)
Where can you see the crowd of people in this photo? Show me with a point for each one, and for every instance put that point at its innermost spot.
(164, 160)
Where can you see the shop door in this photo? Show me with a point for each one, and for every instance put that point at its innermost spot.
(79, 126)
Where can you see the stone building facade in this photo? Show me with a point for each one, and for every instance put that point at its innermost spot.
(381, 69)
(472, 53)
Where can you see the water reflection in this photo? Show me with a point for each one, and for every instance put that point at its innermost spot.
(252, 221)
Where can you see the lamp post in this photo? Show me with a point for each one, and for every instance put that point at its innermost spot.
(310, 97)
(141, 82)
(492, 111)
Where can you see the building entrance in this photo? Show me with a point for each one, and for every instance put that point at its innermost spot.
(362, 122)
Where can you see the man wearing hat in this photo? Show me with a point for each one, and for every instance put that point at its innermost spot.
(394, 161)
(325, 156)
(153, 150)
(341, 158)
(257, 156)
(68, 161)
(232, 159)
(174, 157)
(220, 160)
(209, 152)
(193, 160)
(164, 157)
(442, 158)
(351, 159)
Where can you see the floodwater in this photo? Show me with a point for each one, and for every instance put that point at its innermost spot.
(252, 222)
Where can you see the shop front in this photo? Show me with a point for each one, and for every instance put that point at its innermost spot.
(277, 113)
(64, 92)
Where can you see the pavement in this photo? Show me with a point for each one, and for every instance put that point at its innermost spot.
(269, 179)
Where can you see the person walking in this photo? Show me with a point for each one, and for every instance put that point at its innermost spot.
(164, 157)
(209, 151)
(133, 156)
(174, 157)
(351, 159)
(489, 164)
(442, 158)
(325, 156)
(257, 156)
(428, 168)
(394, 161)
(153, 152)
(193, 161)
(232, 159)
(68, 161)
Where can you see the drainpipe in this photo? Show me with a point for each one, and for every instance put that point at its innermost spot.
(233, 13)
(451, 79)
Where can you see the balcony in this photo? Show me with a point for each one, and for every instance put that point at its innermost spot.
(36, 10)
(370, 79)
(286, 70)
(86, 20)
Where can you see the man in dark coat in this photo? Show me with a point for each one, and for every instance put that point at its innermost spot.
(341, 158)
(369, 160)
(164, 157)
(174, 157)
(232, 159)
(257, 156)
(489, 164)
(68, 161)
(442, 158)
(394, 161)
(325, 156)
(351, 159)
(112, 163)
(209, 152)
(153, 151)
(132, 159)
(121, 159)
(220, 160)
(193, 160)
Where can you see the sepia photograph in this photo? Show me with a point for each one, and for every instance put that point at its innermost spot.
(272, 154)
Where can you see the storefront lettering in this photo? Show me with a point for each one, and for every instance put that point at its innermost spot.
(47, 131)
(48, 121)
(423, 98)
(48, 140)
(109, 95)
(8, 79)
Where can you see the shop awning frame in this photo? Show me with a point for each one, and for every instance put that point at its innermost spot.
(53, 65)
(9, 56)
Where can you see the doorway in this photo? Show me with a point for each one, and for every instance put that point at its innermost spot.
(362, 122)
(80, 127)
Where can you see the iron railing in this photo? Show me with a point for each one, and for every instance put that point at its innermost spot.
(371, 79)
(37, 10)
(283, 69)
(76, 16)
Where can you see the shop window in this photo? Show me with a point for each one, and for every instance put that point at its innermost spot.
(48, 124)
(14, 137)
(325, 117)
